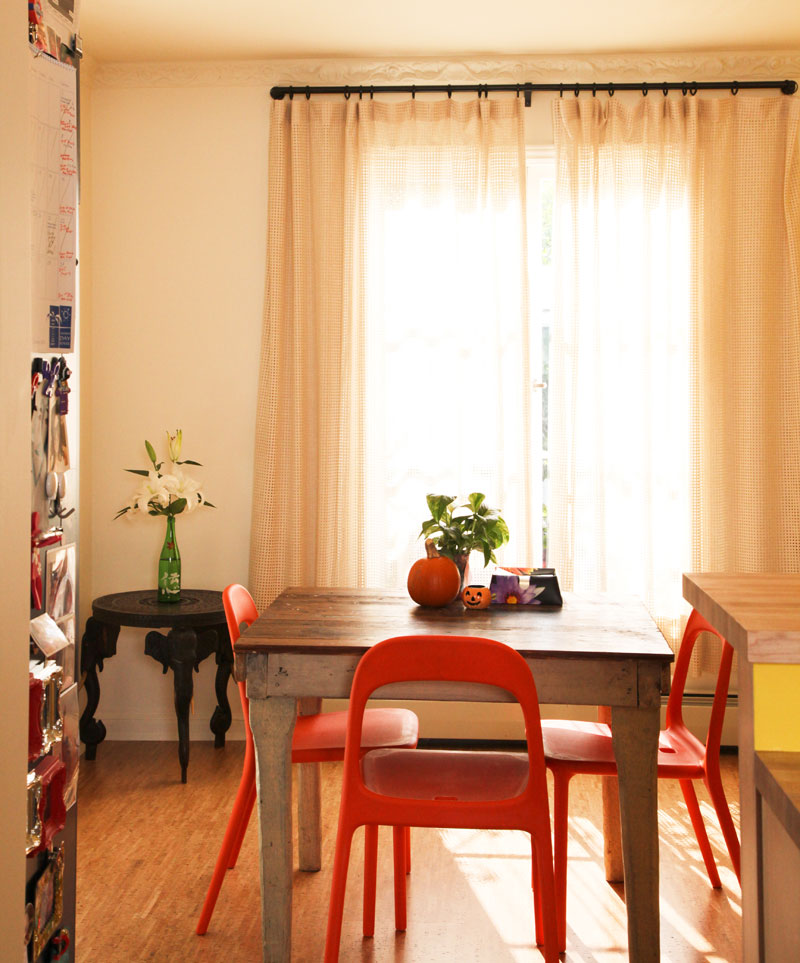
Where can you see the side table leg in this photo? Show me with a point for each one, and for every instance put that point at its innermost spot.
(99, 642)
(221, 719)
(177, 651)
(183, 653)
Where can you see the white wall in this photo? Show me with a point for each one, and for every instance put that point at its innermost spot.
(15, 471)
(173, 261)
(174, 289)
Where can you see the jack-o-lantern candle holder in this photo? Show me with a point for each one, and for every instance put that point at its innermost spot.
(476, 596)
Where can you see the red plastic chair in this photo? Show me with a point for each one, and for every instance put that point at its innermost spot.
(585, 747)
(470, 790)
(317, 738)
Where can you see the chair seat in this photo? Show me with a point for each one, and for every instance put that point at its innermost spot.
(680, 754)
(320, 737)
(445, 774)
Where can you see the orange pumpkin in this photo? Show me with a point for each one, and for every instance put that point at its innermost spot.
(434, 580)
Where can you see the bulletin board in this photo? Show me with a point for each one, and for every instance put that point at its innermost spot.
(54, 192)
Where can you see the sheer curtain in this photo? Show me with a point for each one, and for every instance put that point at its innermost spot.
(675, 368)
(395, 353)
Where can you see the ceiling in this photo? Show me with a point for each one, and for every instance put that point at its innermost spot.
(169, 30)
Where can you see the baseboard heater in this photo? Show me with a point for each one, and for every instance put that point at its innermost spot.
(691, 700)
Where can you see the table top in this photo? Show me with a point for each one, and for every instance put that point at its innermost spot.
(197, 607)
(759, 614)
(348, 621)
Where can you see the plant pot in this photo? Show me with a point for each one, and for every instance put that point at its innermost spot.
(462, 563)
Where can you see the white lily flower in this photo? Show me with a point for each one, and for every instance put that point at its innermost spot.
(158, 492)
(174, 443)
(151, 493)
(181, 486)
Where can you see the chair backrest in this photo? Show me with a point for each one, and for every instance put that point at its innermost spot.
(695, 625)
(239, 609)
(444, 658)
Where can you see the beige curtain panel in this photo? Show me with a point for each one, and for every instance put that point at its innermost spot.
(675, 379)
(388, 224)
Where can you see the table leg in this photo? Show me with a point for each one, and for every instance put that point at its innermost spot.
(99, 642)
(635, 739)
(177, 651)
(272, 723)
(612, 841)
(752, 924)
(221, 718)
(309, 803)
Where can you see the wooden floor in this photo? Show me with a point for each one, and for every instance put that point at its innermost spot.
(147, 844)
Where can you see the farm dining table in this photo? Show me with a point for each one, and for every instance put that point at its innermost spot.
(596, 650)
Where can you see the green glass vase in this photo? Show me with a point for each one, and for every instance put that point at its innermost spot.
(169, 566)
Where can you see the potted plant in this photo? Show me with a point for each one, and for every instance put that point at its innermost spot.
(459, 530)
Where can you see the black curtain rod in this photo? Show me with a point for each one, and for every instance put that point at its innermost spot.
(483, 90)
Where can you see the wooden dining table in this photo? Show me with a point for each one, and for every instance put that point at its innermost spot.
(595, 650)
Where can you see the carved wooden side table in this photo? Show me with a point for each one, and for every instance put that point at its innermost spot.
(196, 629)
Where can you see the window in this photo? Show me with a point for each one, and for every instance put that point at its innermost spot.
(541, 194)
(456, 392)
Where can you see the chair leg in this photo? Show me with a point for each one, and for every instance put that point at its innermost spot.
(370, 873)
(234, 831)
(407, 830)
(560, 846)
(700, 831)
(399, 841)
(243, 828)
(713, 783)
(341, 860)
(537, 897)
(547, 916)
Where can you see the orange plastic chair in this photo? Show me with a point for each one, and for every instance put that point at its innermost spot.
(317, 738)
(585, 747)
(469, 790)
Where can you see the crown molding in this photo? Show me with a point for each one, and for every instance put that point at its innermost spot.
(716, 65)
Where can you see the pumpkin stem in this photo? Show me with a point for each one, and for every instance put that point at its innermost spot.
(430, 548)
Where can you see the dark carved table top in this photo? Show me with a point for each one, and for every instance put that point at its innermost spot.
(197, 607)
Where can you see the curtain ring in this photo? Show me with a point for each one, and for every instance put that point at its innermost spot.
(577, 89)
(449, 92)
(594, 90)
(308, 93)
(347, 93)
(360, 92)
(413, 91)
(693, 88)
(561, 90)
(291, 93)
(610, 90)
(371, 92)
(684, 89)
(735, 87)
(665, 90)
(645, 90)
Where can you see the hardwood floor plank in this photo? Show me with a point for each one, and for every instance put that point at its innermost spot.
(147, 845)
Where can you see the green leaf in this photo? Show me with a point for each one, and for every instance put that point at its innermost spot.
(438, 505)
(138, 471)
(151, 452)
(188, 461)
(209, 505)
(475, 500)
(122, 511)
(488, 555)
(176, 507)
